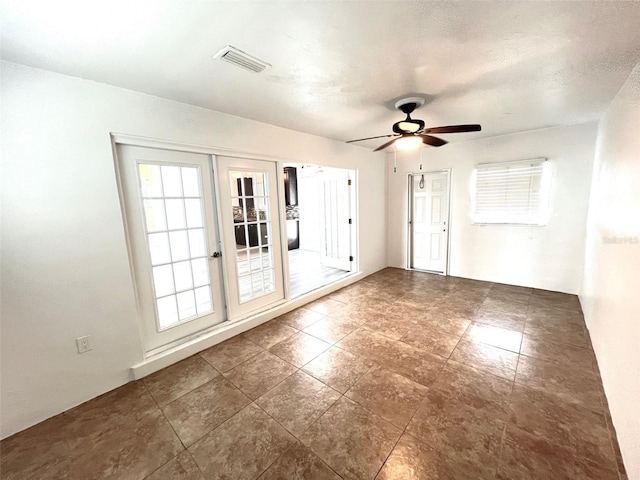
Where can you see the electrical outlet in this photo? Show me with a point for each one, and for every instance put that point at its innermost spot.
(84, 344)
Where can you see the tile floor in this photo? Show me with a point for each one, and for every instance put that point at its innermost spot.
(403, 375)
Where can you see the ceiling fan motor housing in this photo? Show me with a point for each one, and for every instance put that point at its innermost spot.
(407, 106)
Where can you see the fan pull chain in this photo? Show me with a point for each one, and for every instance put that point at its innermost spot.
(395, 159)
(421, 160)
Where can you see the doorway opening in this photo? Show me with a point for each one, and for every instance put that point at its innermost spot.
(319, 213)
(429, 221)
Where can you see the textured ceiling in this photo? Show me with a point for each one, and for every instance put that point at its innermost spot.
(339, 66)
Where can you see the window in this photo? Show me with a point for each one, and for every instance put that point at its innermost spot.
(511, 192)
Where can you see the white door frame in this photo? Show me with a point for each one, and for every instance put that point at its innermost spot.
(237, 308)
(409, 244)
(138, 141)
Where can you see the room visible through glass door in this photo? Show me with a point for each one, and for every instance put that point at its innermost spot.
(320, 223)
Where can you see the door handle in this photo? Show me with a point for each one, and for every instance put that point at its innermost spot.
(216, 254)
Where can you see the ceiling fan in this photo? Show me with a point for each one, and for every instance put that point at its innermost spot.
(413, 130)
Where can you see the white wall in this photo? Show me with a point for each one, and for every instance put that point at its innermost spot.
(65, 271)
(611, 291)
(548, 257)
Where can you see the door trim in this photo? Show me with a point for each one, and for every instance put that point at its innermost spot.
(140, 141)
(409, 243)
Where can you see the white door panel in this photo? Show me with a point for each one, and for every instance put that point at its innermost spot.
(172, 230)
(335, 212)
(429, 214)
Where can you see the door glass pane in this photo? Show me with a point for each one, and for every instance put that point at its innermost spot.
(171, 181)
(167, 311)
(196, 243)
(194, 212)
(190, 182)
(177, 242)
(203, 299)
(182, 275)
(150, 181)
(186, 305)
(163, 280)
(252, 224)
(200, 269)
(159, 248)
(154, 214)
(179, 245)
(175, 214)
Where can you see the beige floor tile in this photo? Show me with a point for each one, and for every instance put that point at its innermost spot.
(414, 460)
(300, 318)
(325, 306)
(446, 320)
(571, 425)
(510, 321)
(230, 353)
(298, 402)
(203, 409)
(474, 388)
(469, 436)
(243, 447)
(526, 457)
(351, 440)
(127, 451)
(431, 339)
(505, 305)
(299, 463)
(389, 395)
(547, 348)
(332, 329)
(415, 364)
(569, 382)
(485, 357)
(270, 333)
(41, 451)
(182, 467)
(338, 368)
(260, 374)
(172, 382)
(389, 325)
(494, 336)
(300, 349)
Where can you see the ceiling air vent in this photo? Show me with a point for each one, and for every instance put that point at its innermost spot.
(243, 60)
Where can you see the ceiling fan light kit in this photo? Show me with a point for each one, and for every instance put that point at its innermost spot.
(408, 142)
(410, 133)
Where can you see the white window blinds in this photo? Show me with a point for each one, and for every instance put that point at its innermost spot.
(511, 192)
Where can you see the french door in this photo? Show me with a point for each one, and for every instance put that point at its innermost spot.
(429, 216)
(251, 231)
(172, 228)
(335, 218)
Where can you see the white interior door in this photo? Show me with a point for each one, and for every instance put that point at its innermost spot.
(172, 231)
(251, 228)
(335, 218)
(429, 239)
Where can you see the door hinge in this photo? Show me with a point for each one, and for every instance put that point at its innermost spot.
(350, 221)
(349, 182)
(351, 258)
